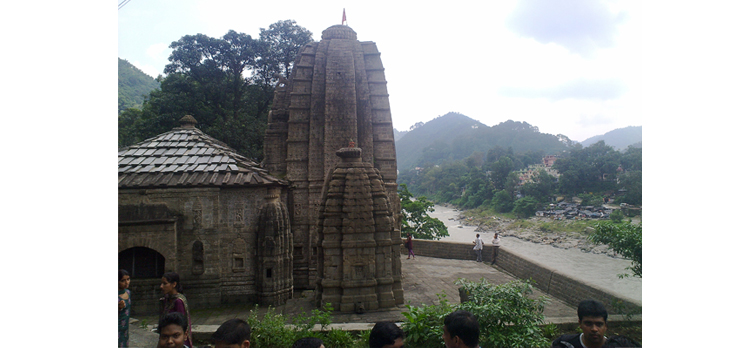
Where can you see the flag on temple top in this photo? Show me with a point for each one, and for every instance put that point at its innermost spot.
(343, 20)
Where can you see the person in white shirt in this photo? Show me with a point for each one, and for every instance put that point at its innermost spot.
(496, 240)
(478, 247)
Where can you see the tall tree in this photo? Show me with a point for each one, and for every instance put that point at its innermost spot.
(226, 83)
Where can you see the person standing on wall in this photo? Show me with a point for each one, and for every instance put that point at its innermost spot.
(174, 300)
(409, 246)
(478, 247)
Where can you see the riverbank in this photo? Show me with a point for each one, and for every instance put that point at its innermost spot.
(567, 252)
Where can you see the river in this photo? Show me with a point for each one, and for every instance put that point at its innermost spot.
(599, 270)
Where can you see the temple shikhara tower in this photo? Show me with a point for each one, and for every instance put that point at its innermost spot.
(320, 213)
(344, 203)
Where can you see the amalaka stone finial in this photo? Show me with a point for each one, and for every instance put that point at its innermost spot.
(339, 32)
(187, 121)
(347, 153)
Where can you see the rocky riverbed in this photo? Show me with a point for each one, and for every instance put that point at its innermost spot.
(538, 230)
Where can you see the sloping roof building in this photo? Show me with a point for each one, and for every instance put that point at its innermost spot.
(185, 156)
(188, 203)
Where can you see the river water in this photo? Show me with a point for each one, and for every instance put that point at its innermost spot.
(599, 270)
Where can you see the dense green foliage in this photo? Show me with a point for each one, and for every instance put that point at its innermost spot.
(623, 238)
(454, 137)
(491, 180)
(276, 330)
(414, 218)
(226, 83)
(133, 85)
(506, 313)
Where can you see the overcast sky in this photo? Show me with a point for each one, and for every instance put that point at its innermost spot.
(567, 67)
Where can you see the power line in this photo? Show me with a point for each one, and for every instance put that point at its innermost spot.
(123, 3)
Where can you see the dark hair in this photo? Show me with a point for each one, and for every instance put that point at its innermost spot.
(384, 333)
(234, 331)
(464, 325)
(122, 273)
(591, 308)
(172, 277)
(172, 318)
(308, 342)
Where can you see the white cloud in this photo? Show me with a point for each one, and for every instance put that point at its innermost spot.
(582, 26)
(158, 51)
(147, 69)
(603, 89)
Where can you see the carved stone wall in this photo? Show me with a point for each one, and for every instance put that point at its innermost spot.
(357, 270)
(207, 235)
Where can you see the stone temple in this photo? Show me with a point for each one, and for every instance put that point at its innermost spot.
(321, 212)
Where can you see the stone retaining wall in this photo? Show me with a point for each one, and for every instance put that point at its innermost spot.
(552, 282)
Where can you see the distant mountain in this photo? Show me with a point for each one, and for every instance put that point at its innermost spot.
(454, 136)
(620, 138)
(397, 134)
(133, 85)
(409, 147)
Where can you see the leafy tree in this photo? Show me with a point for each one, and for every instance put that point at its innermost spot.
(502, 201)
(625, 239)
(415, 218)
(280, 43)
(541, 188)
(526, 207)
(499, 171)
(226, 83)
(590, 169)
(632, 182)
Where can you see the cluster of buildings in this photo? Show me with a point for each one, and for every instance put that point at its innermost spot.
(563, 210)
(528, 174)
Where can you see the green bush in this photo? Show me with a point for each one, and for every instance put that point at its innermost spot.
(272, 330)
(508, 317)
(424, 325)
(616, 216)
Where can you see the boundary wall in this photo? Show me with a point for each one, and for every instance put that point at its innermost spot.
(552, 282)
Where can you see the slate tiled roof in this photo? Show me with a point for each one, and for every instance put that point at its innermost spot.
(186, 157)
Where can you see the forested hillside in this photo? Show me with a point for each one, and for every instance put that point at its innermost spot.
(133, 86)
(454, 136)
(493, 180)
(620, 138)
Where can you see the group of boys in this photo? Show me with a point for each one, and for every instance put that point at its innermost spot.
(460, 330)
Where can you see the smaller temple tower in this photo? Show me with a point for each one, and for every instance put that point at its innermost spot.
(274, 252)
(357, 271)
